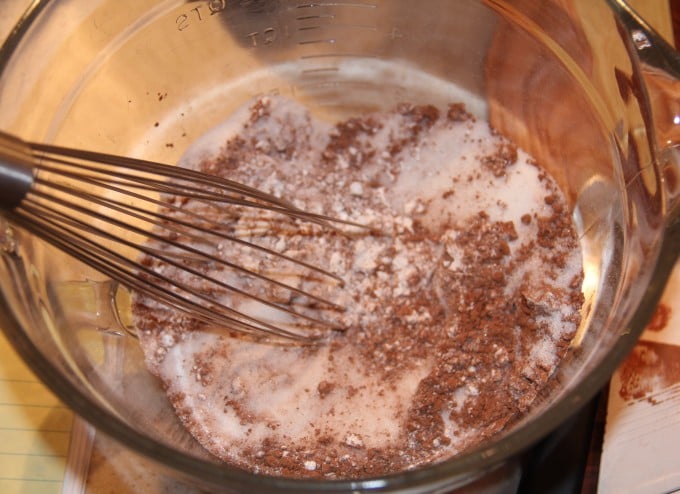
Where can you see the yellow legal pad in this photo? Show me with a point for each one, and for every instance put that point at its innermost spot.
(35, 430)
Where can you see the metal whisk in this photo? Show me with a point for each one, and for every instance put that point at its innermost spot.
(125, 216)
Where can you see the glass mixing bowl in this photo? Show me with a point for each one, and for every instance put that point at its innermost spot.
(584, 86)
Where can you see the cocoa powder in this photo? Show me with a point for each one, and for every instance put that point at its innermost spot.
(473, 300)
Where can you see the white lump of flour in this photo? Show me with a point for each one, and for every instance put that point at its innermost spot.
(456, 314)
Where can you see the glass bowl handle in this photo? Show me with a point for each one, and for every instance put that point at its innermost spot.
(659, 65)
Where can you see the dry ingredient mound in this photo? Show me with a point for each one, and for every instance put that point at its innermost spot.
(457, 314)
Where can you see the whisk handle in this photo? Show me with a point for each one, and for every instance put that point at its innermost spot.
(16, 170)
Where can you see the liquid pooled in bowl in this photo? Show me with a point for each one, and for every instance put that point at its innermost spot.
(457, 313)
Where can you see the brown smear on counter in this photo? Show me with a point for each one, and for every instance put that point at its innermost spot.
(649, 368)
(660, 318)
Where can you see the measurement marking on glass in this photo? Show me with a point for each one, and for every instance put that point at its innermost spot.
(320, 70)
(335, 4)
(334, 84)
(338, 55)
(329, 41)
(309, 17)
(342, 26)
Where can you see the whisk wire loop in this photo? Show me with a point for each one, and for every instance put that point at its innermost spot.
(116, 267)
(125, 218)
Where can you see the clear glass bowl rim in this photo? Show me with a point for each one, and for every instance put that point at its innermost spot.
(468, 465)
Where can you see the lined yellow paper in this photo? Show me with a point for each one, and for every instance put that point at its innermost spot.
(35, 430)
